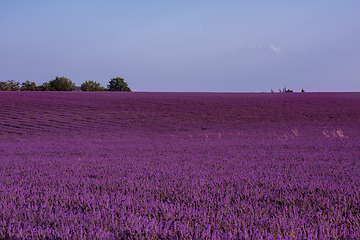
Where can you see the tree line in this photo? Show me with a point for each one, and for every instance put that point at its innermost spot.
(65, 84)
(284, 90)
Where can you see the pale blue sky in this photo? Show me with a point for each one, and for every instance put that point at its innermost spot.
(236, 46)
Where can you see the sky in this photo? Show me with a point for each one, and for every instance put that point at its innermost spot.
(185, 46)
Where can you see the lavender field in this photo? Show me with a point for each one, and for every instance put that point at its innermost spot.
(111, 165)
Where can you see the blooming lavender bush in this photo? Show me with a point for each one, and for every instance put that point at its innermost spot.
(106, 165)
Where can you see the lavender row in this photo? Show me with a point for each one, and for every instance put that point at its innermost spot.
(176, 112)
(152, 188)
(179, 166)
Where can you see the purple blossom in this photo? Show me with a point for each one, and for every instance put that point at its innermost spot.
(179, 165)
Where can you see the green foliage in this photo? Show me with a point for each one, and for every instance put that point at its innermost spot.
(65, 84)
(28, 86)
(9, 85)
(61, 84)
(44, 87)
(118, 84)
(4, 86)
(91, 86)
(14, 86)
(302, 90)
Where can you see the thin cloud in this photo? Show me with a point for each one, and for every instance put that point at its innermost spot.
(271, 47)
(201, 29)
(275, 49)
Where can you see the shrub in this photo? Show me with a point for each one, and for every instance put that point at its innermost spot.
(118, 84)
(62, 84)
(91, 86)
(9, 85)
(44, 87)
(14, 86)
(28, 86)
(4, 86)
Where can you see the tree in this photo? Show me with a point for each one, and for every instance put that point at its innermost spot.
(62, 84)
(91, 86)
(9, 85)
(286, 90)
(44, 87)
(28, 86)
(302, 90)
(118, 84)
(4, 86)
(14, 86)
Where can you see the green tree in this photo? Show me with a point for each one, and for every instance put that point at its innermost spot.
(44, 87)
(9, 85)
(62, 84)
(118, 84)
(28, 86)
(91, 86)
(14, 86)
(4, 86)
(302, 90)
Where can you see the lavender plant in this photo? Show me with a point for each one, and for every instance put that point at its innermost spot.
(103, 165)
